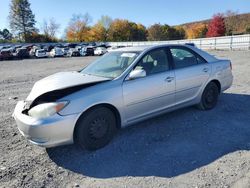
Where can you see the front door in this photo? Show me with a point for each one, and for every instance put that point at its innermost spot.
(155, 91)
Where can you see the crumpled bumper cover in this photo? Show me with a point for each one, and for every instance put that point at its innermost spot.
(47, 132)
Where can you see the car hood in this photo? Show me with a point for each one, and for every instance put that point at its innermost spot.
(60, 81)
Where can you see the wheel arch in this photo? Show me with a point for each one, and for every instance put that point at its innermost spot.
(107, 105)
(217, 82)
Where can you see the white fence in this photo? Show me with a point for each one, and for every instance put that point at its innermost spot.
(227, 42)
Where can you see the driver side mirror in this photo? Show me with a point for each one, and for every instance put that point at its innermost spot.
(138, 73)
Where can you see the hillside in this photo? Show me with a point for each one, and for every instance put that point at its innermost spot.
(238, 23)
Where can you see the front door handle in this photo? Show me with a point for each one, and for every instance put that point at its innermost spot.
(205, 69)
(169, 79)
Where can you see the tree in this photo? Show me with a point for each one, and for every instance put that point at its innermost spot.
(138, 32)
(198, 30)
(77, 30)
(22, 20)
(5, 35)
(124, 30)
(103, 26)
(50, 28)
(171, 33)
(158, 32)
(167, 32)
(155, 32)
(231, 22)
(180, 33)
(248, 29)
(97, 33)
(216, 27)
(119, 30)
(141, 32)
(36, 37)
(105, 21)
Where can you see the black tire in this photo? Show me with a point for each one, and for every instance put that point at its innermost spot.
(209, 97)
(96, 128)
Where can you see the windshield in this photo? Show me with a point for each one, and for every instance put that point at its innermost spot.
(111, 65)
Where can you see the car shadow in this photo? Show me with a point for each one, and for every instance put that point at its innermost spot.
(168, 145)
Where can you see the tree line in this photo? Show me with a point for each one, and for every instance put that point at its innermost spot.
(79, 29)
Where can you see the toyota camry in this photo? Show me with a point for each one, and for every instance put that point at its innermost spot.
(121, 88)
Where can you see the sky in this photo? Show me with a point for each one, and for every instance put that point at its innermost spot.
(147, 12)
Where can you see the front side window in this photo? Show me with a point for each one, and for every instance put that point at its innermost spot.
(111, 65)
(155, 61)
(184, 58)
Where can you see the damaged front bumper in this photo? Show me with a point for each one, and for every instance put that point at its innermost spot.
(47, 132)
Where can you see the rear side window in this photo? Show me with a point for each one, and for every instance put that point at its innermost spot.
(185, 58)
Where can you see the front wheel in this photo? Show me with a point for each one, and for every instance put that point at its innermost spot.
(209, 97)
(96, 128)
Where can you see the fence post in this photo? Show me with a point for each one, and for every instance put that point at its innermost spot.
(215, 43)
(249, 42)
(231, 43)
(200, 43)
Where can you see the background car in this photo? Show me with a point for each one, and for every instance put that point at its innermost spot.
(6, 54)
(73, 52)
(22, 53)
(32, 51)
(57, 52)
(100, 51)
(48, 47)
(41, 53)
(87, 51)
(66, 51)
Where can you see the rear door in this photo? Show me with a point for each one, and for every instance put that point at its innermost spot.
(191, 72)
(155, 91)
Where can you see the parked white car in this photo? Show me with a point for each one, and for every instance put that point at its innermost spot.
(100, 51)
(66, 51)
(33, 50)
(57, 52)
(41, 53)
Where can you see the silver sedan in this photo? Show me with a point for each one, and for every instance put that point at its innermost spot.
(121, 88)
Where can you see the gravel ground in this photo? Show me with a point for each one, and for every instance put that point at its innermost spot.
(185, 148)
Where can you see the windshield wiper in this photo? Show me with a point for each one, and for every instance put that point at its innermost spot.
(111, 78)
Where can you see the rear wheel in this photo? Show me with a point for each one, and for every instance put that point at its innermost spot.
(209, 97)
(96, 128)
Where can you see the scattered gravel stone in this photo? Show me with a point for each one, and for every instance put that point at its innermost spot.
(13, 98)
(49, 175)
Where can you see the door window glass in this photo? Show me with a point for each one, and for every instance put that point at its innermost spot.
(155, 61)
(183, 58)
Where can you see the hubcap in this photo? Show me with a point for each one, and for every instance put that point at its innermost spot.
(98, 128)
(210, 96)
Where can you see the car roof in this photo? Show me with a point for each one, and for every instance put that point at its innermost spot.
(134, 48)
(146, 47)
(205, 55)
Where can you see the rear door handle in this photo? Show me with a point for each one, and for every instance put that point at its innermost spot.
(169, 79)
(205, 70)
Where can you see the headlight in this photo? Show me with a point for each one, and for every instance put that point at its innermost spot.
(47, 109)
